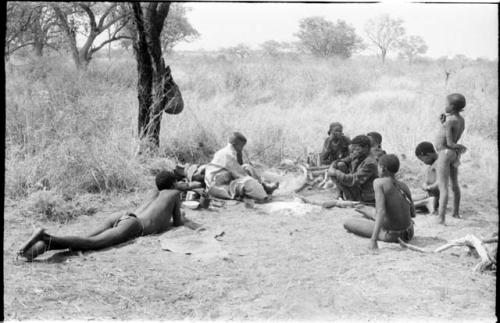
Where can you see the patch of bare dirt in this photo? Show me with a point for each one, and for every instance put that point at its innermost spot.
(286, 260)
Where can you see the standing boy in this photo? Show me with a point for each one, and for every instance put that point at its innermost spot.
(449, 151)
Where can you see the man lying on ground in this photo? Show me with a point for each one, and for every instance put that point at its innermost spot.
(376, 142)
(153, 216)
(449, 152)
(355, 174)
(335, 146)
(430, 199)
(227, 178)
(393, 208)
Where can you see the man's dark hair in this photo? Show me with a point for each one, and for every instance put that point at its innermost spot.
(389, 162)
(362, 141)
(457, 100)
(237, 137)
(424, 148)
(165, 180)
(377, 137)
(335, 126)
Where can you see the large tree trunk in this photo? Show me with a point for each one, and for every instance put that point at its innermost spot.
(157, 91)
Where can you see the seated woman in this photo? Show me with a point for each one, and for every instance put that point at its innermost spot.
(354, 175)
(226, 177)
(393, 208)
(153, 216)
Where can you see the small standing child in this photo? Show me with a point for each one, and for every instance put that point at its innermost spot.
(376, 142)
(449, 151)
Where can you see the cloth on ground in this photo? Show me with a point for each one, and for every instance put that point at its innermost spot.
(200, 245)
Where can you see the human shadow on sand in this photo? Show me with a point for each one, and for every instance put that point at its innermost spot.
(421, 241)
(62, 256)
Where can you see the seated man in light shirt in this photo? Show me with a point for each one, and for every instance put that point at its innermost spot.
(227, 178)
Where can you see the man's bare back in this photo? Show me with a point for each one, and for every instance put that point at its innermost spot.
(155, 217)
(398, 208)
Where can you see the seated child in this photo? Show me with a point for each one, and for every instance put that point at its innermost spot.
(376, 141)
(157, 214)
(393, 208)
(429, 200)
(335, 146)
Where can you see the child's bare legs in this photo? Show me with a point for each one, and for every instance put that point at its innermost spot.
(364, 228)
(456, 191)
(360, 227)
(368, 212)
(443, 177)
(429, 203)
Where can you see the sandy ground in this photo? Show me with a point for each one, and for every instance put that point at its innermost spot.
(285, 261)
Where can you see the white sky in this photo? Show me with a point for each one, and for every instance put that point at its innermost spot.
(448, 29)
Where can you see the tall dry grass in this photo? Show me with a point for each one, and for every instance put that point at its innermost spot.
(75, 132)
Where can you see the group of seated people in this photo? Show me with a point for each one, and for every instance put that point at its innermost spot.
(359, 168)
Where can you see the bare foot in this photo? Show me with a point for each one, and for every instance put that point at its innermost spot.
(37, 249)
(456, 216)
(441, 221)
(35, 236)
(430, 206)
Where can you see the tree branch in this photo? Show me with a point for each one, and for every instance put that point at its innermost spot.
(90, 14)
(104, 15)
(113, 21)
(10, 51)
(95, 49)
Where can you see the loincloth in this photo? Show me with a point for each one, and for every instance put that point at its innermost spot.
(392, 235)
(129, 216)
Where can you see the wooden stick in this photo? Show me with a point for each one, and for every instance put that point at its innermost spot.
(491, 240)
(412, 247)
(316, 168)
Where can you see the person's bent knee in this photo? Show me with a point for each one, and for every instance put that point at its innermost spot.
(349, 225)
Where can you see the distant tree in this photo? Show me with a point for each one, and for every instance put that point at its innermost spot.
(274, 48)
(324, 38)
(43, 30)
(412, 46)
(177, 28)
(157, 91)
(30, 24)
(89, 20)
(452, 66)
(240, 51)
(384, 33)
